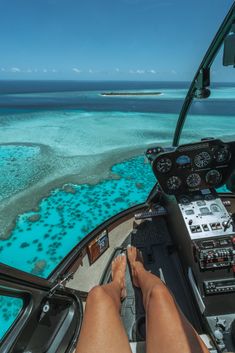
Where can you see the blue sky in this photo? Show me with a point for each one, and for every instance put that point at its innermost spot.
(106, 39)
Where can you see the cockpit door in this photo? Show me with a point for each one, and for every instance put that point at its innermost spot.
(37, 316)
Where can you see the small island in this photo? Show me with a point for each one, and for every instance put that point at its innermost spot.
(131, 93)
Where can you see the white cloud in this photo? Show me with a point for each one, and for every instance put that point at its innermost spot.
(117, 69)
(75, 69)
(174, 72)
(139, 72)
(3, 69)
(28, 70)
(15, 69)
(152, 71)
(90, 71)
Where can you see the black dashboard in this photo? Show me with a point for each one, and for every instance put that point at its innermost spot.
(194, 166)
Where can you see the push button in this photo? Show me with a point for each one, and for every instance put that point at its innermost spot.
(213, 226)
(218, 226)
(205, 227)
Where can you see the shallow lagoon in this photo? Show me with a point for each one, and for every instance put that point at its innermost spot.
(41, 239)
(14, 175)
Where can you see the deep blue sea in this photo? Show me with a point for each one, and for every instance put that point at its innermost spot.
(55, 129)
(82, 95)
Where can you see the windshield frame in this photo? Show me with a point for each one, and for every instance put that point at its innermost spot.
(203, 68)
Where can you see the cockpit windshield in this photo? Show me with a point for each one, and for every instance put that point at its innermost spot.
(85, 89)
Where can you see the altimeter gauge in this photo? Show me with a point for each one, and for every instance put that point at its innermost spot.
(222, 155)
(173, 183)
(164, 165)
(213, 177)
(193, 180)
(202, 159)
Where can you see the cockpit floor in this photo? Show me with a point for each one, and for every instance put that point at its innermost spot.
(161, 258)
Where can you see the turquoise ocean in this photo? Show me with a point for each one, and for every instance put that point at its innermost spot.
(69, 130)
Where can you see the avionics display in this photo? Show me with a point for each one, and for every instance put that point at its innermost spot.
(183, 161)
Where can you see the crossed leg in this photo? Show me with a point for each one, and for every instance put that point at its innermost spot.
(102, 330)
(167, 329)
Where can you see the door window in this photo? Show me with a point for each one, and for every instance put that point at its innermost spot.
(10, 309)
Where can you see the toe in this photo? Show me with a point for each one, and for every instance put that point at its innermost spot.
(131, 252)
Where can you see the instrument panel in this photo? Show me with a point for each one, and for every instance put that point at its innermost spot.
(195, 166)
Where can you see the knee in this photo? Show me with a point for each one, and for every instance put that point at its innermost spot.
(158, 293)
(98, 295)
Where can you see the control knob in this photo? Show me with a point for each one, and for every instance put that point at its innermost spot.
(218, 335)
(221, 323)
(226, 224)
(220, 327)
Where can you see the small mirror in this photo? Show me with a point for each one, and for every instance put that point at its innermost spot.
(202, 93)
(202, 84)
(229, 48)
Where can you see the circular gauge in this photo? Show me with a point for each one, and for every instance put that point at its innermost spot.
(222, 155)
(173, 183)
(193, 180)
(213, 177)
(202, 159)
(215, 208)
(164, 165)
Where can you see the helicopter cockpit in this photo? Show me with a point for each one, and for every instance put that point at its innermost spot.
(185, 230)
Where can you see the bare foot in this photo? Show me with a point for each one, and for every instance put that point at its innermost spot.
(136, 261)
(118, 273)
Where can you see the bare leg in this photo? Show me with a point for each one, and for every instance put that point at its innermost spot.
(102, 330)
(167, 328)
